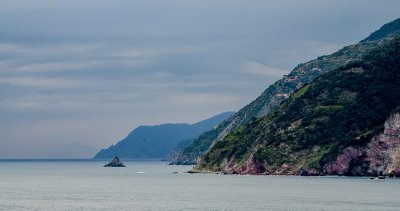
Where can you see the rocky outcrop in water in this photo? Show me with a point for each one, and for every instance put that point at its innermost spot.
(116, 162)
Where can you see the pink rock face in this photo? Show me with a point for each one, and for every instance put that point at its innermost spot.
(382, 154)
(341, 165)
(380, 157)
(251, 166)
(392, 126)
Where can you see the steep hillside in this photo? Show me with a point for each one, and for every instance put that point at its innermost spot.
(154, 142)
(389, 28)
(346, 121)
(272, 97)
(178, 148)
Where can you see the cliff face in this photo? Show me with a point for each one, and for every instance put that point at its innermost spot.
(280, 91)
(380, 157)
(344, 122)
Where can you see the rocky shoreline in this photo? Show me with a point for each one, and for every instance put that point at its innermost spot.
(303, 173)
(380, 157)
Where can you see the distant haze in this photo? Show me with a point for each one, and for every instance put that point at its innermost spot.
(77, 76)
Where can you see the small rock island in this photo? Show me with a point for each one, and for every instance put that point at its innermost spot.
(116, 162)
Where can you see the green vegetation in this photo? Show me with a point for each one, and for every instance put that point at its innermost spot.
(341, 108)
(315, 160)
(301, 91)
(271, 156)
(305, 73)
(389, 28)
(329, 107)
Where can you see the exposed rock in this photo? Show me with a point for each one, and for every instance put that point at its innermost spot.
(116, 162)
(307, 172)
(251, 166)
(380, 157)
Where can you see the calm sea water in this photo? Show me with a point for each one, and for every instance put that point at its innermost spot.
(145, 185)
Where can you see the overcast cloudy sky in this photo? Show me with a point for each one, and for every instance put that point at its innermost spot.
(77, 76)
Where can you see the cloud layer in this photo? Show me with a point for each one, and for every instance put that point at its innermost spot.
(82, 74)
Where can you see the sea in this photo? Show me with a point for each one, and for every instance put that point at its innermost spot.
(154, 185)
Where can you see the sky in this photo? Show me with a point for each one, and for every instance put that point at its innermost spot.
(77, 76)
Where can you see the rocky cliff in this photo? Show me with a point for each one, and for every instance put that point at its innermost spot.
(345, 121)
(280, 91)
(379, 157)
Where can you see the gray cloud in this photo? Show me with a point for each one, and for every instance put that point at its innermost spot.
(261, 69)
(82, 74)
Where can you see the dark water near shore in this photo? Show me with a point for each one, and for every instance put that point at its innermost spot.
(151, 185)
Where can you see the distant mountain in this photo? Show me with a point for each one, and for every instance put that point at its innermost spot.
(177, 150)
(345, 122)
(281, 90)
(155, 142)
